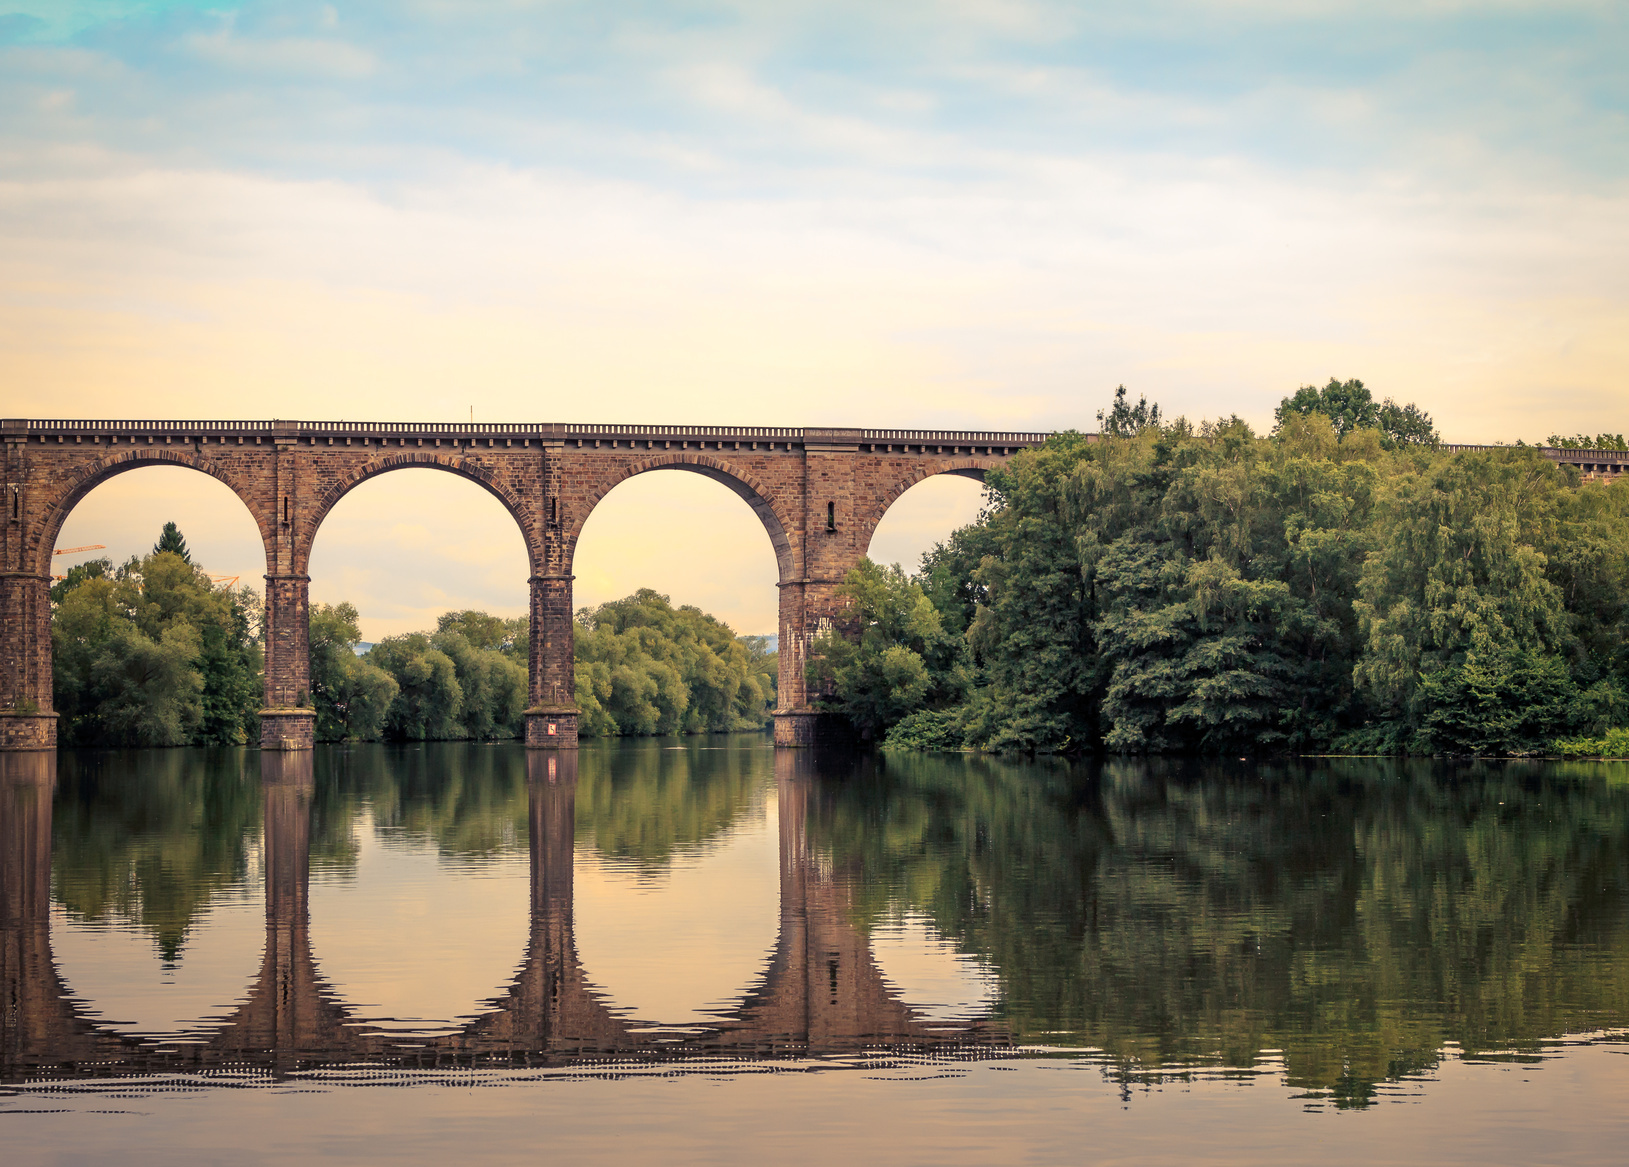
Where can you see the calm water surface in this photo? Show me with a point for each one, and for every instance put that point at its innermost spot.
(708, 951)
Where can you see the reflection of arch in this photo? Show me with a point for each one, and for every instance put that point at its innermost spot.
(89, 477)
(744, 485)
(468, 468)
(821, 991)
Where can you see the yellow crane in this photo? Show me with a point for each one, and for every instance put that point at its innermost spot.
(230, 581)
(76, 551)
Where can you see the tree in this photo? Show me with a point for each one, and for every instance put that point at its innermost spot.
(429, 699)
(646, 667)
(154, 653)
(891, 656)
(1123, 420)
(171, 541)
(1204, 589)
(1350, 407)
(493, 685)
(352, 696)
(1586, 442)
(1406, 425)
(1466, 631)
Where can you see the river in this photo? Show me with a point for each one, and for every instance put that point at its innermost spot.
(703, 950)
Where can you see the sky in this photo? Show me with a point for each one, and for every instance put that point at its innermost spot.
(963, 214)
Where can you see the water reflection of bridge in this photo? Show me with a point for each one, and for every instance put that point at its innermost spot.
(821, 992)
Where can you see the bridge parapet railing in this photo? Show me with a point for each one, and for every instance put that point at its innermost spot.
(955, 437)
(80, 425)
(1554, 453)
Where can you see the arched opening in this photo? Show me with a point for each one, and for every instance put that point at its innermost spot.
(126, 511)
(155, 650)
(925, 514)
(687, 536)
(404, 548)
(653, 545)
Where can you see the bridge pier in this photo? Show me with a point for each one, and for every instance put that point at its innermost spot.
(551, 715)
(26, 719)
(288, 722)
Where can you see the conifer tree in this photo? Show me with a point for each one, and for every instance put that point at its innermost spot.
(172, 541)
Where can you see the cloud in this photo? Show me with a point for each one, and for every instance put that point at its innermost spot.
(979, 215)
(284, 56)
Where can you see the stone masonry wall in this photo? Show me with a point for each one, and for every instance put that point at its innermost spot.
(819, 495)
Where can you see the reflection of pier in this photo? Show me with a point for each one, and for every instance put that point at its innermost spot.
(821, 992)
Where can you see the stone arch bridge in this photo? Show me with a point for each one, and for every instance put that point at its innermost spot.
(818, 492)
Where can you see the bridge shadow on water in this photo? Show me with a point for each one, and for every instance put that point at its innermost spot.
(821, 992)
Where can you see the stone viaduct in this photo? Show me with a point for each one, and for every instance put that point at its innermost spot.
(821, 992)
(818, 492)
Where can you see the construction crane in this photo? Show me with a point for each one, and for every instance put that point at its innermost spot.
(76, 551)
(230, 581)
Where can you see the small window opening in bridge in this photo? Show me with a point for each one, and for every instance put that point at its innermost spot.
(16, 503)
(285, 508)
(831, 516)
(554, 509)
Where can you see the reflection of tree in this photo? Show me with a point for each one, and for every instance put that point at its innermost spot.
(468, 798)
(1355, 915)
(638, 801)
(150, 837)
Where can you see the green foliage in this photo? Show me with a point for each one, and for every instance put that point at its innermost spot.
(645, 667)
(1124, 420)
(1350, 407)
(488, 632)
(493, 687)
(447, 687)
(170, 540)
(937, 730)
(1468, 632)
(352, 696)
(1613, 744)
(891, 656)
(153, 653)
(1337, 585)
(1586, 442)
(429, 699)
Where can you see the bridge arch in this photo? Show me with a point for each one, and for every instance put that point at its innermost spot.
(87, 478)
(973, 468)
(755, 493)
(468, 468)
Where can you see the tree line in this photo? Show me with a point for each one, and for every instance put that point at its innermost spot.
(154, 652)
(641, 665)
(1341, 584)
